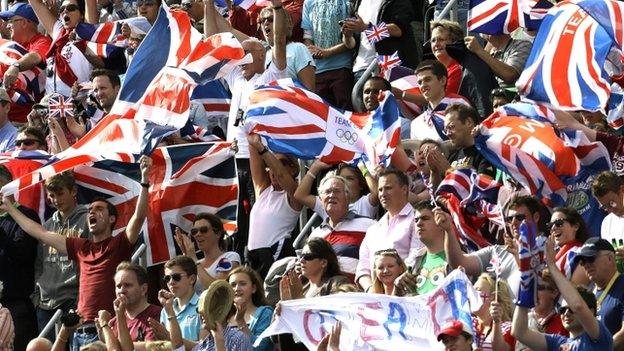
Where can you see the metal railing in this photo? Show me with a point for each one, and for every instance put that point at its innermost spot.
(302, 234)
(137, 254)
(48, 328)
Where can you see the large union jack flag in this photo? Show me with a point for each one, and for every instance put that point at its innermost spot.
(296, 121)
(531, 263)
(181, 178)
(609, 14)
(565, 67)
(520, 140)
(505, 16)
(110, 32)
(403, 78)
(154, 99)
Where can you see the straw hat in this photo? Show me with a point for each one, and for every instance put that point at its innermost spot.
(215, 303)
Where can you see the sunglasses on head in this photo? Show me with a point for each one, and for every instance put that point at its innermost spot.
(518, 217)
(69, 8)
(308, 256)
(203, 230)
(25, 142)
(175, 276)
(390, 251)
(558, 223)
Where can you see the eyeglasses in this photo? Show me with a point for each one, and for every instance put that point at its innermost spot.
(175, 276)
(518, 217)
(558, 223)
(26, 142)
(266, 19)
(583, 260)
(330, 191)
(565, 309)
(308, 256)
(69, 8)
(203, 230)
(13, 20)
(146, 3)
(607, 207)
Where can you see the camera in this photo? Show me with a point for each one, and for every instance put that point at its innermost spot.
(70, 319)
(42, 111)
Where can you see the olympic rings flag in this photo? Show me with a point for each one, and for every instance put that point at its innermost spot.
(379, 322)
(295, 121)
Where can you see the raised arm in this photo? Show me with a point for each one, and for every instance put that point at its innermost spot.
(303, 192)
(140, 212)
(91, 12)
(45, 16)
(279, 35)
(454, 254)
(520, 330)
(33, 228)
(259, 175)
(215, 23)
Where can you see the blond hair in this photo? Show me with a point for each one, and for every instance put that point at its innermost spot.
(503, 297)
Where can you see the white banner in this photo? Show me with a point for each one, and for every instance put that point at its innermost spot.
(379, 322)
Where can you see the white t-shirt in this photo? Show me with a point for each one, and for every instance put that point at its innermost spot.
(612, 227)
(241, 90)
(368, 11)
(271, 219)
(362, 207)
(218, 266)
(77, 61)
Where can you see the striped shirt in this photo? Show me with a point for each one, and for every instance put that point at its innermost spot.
(7, 330)
(235, 340)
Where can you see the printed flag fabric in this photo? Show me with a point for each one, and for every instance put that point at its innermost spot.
(565, 67)
(378, 32)
(609, 14)
(30, 84)
(215, 98)
(60, 106)
(520, 140)
(456, 186)
(110, 32)
(154, 98)
(296, 121)
(403, 78)
(531, 263)
(387, 62)
(245, 4)
(505, 16)
(434, 118)
(379, 322)
(180, 178)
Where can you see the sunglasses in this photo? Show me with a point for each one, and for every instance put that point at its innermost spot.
(518, 217)
(202, 230)
(308, 256)
(69, 8)
(565, 309)
(175, 276)
(266, 19)
(543, 287)
(610, 205)
(25, 142)
(589, 259)
(558, 223)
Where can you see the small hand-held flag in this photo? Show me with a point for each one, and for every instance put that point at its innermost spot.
(376, 33)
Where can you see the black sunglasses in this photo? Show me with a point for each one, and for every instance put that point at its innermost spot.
(308, 256)
(563, 310)
(202, 230)
(25, 142)
(175, 276)
(266, 19)
(556, 223)
(518, 217)
(69, 8)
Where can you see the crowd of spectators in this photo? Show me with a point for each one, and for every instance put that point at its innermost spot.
(380, 231)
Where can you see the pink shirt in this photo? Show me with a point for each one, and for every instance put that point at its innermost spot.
(389, 233)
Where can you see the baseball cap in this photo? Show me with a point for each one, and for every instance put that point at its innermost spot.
(20, 9)
(454, 328)
(4, 96)
(591, 248)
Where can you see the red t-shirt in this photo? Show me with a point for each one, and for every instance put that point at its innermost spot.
(138, 326)
(98, 262)
(453, 80)
(554, 325)
(39, 44)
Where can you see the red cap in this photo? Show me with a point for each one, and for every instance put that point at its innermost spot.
(453, 328)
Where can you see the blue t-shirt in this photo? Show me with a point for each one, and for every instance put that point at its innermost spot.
(583, 201)
(298, 57)
(581, 343)
(611, 311)
(319, 22)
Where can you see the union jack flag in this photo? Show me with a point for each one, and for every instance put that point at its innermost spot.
(375, 33)
(565, 67)
(110, 32)
(521, 140)
(609, 14)
(154, 99)
(181, 176)
(30, 84)
(434, 117)
(215, 98)
(296, 121)
(469, 224)
(531, 263)
(387, 62)
(60, 106)
(403, 78)
(102, 50)
(505, 16)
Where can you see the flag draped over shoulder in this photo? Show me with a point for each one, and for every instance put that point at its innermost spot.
(520, 140)
(505, 16)
(154, 98)
(531, 263)
(296, 121)
(565, 67)
(180, 178)
(30, 84)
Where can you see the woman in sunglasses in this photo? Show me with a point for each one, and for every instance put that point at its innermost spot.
(209, 234)
(253, 315)
(569, 231)
(68, 61)
(387, 267)
(180, 277)
(493, 319)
